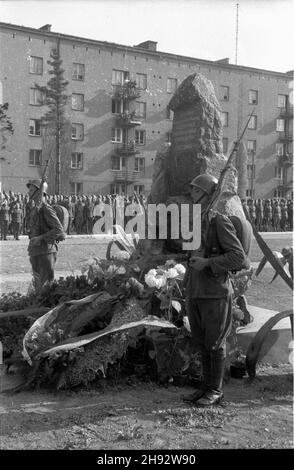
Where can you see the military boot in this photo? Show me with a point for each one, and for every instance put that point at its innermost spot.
(203, 385)
(214, 393)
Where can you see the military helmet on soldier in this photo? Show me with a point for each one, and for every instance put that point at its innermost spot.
(37, 184)
(205, 182)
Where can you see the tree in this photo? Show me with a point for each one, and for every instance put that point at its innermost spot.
(6, 126)
(54, 123)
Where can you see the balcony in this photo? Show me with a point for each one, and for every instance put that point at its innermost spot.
(127, 91)
(126, 149)
(126, 176)
(128, 119)
(285, 137)
(285, 159)
(286, 113)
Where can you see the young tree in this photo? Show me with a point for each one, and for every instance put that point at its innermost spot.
(54, 123)
(6, 126)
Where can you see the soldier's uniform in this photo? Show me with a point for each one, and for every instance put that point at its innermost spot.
(259, 215)
(4, 220)
(88, 214)
(16, 220)
(267, 215)
(209, 296)
(44, 224)
(290, 214)
(284, 216)
(79, 216)
(276, 216)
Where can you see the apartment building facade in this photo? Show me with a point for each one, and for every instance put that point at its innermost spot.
(118, 112)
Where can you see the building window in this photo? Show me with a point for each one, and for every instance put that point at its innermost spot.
(172, 84)
(76, 188)
(279, 193)
(140, 164)
(139, 188)
(225, 144)
(78, 72)
(280, 125)
(77, 160)
(169, 113)
(36, 65)
(119, 77)
(250, 193)
(279, 173)
(224, 90)
(77, 102)
(117, 106)
(35, 127)
(140, 137)
(253, 97)
(253, 122)
(280, 148)
(118, 163)
(251, 171)
(140, 109)
(282, 101)
(118, 188)
(77, 131)
(251, 146)
(35, 157)
(141, 80)
(116, 135)
(225, 118)
(36, 97)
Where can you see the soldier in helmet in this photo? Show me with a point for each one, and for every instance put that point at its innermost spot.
(44, 230)
(4, 219)
(259, 214)
(209, 291)
(267, 215)
(284, 216)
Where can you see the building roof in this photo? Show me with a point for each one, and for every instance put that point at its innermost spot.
(222, 63)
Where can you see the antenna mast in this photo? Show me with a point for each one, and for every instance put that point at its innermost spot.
(237, 33)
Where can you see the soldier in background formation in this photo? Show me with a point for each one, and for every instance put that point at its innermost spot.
(16, 210)
(270, 215)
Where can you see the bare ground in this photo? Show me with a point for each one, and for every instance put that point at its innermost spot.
(139, 415)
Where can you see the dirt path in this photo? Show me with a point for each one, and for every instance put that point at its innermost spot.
(146, 416)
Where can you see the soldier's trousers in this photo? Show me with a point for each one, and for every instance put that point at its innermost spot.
(43, 267)
(4, 229)
(16, 229)
(210, 321)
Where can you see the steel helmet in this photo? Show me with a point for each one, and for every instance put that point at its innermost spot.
(37, 184)
(205, 182)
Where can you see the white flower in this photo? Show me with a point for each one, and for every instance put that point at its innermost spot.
(160, 282)
(121, 270)
(180, 268)
(171, 273)
(150, 280)
(155, 281)
(151, 272)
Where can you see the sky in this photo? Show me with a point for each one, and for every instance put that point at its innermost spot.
(204, 29)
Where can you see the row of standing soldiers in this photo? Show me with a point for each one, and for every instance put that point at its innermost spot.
(270, 215)
(15, 211)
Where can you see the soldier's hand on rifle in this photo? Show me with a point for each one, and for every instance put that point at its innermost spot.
(198, 263)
